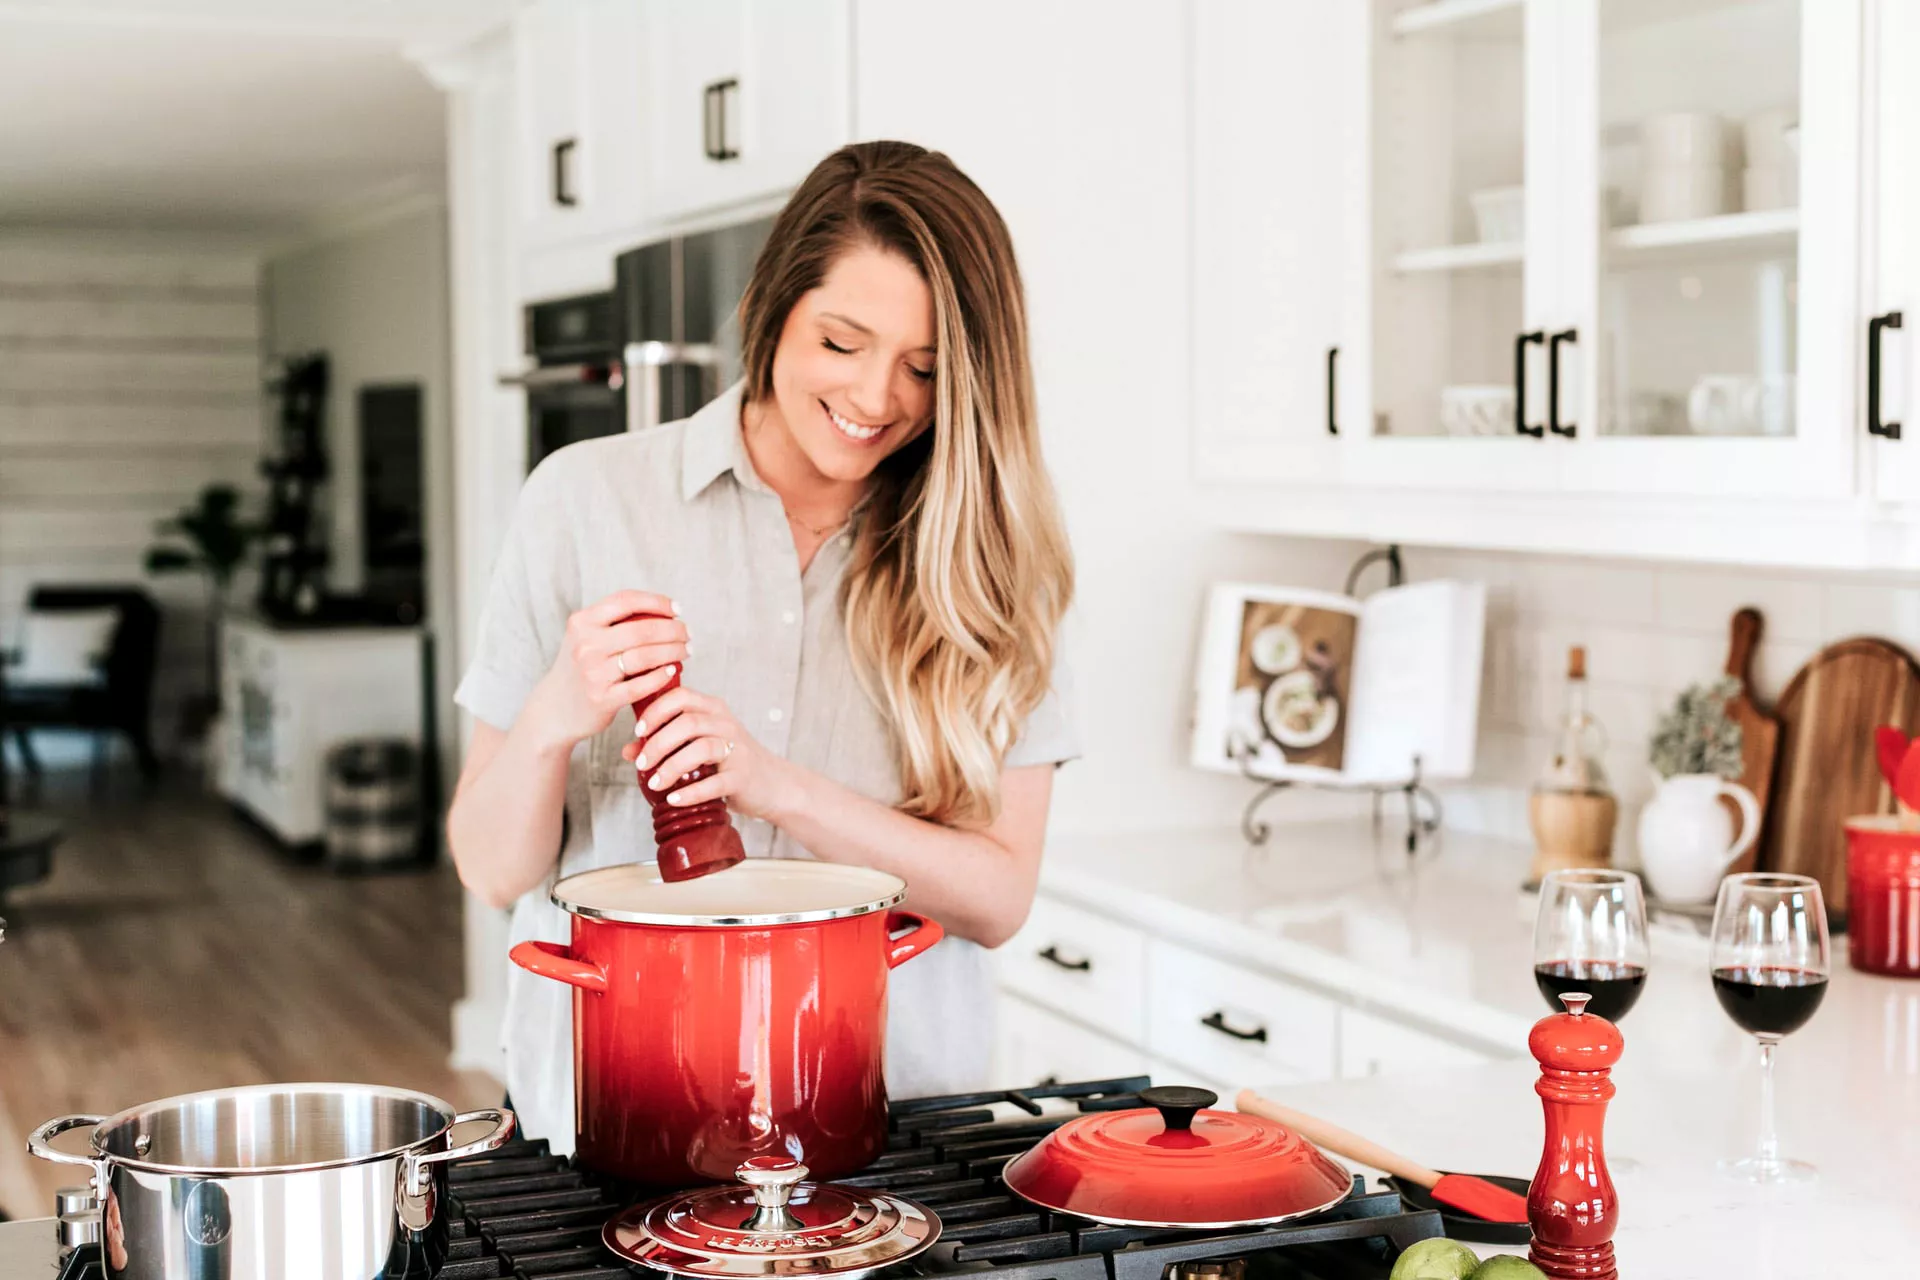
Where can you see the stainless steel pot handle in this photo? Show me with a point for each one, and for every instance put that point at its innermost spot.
(420, 1167)
(39, 1142)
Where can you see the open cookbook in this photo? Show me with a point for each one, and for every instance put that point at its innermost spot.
(1301, 684)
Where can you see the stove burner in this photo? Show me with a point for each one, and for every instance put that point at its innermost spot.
(526, 1213)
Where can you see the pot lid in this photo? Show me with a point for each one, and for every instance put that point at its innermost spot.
(775, 1224)
(759, 891)
(1173, 1163)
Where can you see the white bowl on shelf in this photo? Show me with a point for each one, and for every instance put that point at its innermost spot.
(1500, 213)
(1476, 410)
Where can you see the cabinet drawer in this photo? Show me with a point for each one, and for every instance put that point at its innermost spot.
(1371, 1046)
(1233, 1025)
(1035, 1045)
(1080, 964)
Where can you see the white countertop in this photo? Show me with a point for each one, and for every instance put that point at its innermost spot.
(1446, 940)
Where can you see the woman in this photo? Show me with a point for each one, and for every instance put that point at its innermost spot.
(857, 558)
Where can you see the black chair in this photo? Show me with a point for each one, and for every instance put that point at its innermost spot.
(122, 701)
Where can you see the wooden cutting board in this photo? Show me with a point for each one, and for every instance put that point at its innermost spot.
(1827, 772)
(1759, 731)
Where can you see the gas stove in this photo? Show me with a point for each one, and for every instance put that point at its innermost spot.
(524, 1212)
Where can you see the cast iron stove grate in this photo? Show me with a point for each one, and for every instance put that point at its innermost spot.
(526, 1213)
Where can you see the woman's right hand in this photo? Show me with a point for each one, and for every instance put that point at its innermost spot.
(608, 660)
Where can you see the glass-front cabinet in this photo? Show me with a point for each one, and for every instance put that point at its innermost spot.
(1713, 173)
(1458, 252)
(1613, 246)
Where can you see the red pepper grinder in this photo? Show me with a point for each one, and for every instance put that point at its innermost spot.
(691, 840)
(1572, 1206)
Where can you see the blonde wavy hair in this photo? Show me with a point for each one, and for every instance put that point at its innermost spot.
(960, 571)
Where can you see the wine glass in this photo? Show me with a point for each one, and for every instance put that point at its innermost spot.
(1591, 935)
(1770, 966)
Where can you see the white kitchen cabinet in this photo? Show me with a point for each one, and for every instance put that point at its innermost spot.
(1036, 1045)
(291, 695)
(1080, 964)
(1509, 231)
(1371, 1046)
(1228, 1023)
(1270, 262)
(579, 77)
(744, 98)
(1893, 251)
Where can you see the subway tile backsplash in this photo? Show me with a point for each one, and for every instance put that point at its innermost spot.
(1649, 632)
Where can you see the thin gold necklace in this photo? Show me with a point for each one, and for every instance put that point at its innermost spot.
(818, 531)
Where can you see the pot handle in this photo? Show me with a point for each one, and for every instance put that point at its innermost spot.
(39, 1141)
(420, 1167)
(554, 960)
(925, 933)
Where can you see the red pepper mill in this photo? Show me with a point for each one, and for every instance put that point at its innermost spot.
(692, 840)
(1572, 1206)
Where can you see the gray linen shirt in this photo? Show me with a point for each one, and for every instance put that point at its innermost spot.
(680, 511)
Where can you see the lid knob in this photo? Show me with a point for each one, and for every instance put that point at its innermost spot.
(1576, 1001)
(1177, 1104)
(773, 1179)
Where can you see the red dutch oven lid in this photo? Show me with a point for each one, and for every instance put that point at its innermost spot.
(1173, 1163)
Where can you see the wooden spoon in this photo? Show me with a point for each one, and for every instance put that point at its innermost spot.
(1463, 1191)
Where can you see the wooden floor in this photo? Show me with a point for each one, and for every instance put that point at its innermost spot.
(176, 949)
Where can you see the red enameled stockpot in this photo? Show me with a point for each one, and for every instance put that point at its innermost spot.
(737, 1015)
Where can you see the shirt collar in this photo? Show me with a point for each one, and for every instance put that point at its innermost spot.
(712, 445)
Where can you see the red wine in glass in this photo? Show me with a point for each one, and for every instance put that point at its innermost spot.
(1614, 985)
(1772, 1000)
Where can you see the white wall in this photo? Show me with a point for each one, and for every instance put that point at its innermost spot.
(375, 300)
(129, 379)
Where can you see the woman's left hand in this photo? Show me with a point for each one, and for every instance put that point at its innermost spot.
(684, 729)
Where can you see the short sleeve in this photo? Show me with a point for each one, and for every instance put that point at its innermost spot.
(1050, 735)
(533, 590)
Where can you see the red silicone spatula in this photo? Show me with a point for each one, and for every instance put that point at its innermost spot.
(1462, 1191)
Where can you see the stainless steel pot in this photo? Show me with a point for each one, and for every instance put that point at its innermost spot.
(316, 1181)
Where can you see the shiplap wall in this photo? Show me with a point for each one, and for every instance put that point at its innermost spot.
(129, 379)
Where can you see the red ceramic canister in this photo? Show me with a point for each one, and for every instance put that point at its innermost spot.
(1883, 896)
(737, 1015)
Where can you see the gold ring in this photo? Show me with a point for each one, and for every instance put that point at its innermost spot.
(620, 661)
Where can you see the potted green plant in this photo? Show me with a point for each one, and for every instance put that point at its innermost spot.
(1686, 837)
(209, 537)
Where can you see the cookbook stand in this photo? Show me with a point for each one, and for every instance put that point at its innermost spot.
(1422, 805)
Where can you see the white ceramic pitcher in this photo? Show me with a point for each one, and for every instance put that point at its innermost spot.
(1686, 838)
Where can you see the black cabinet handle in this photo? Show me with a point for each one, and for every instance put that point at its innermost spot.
(1567, 429)
(562, 172)
(1217, 1020)
(1520, 344)
(713, 120)
(1885, 430)
(1052, 956)
(1333, 392)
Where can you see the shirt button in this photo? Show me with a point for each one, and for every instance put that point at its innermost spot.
(787, 617)
(775, 715)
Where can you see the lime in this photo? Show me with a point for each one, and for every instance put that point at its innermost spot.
(1505, 1266)
(1436, 1259)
